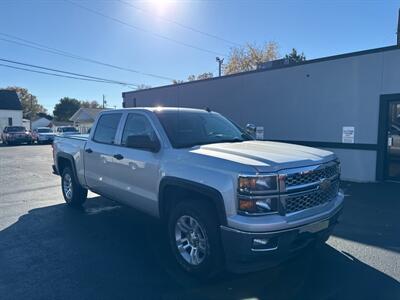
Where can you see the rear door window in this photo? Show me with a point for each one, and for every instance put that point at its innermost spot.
(106, 128)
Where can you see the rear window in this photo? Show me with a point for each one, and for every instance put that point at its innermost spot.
(106, 128)
(69, 129)
(16, 129)
(44, 130)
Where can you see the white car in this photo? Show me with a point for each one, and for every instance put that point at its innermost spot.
(43, 135)
(67, 130)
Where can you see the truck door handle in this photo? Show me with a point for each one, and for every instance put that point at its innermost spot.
(118, 156)
(88, 150)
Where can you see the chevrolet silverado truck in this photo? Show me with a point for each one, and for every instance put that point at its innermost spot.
(228, 202)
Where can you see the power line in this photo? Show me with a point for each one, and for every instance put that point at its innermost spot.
(52, 74)
(69, 74)
(180, 24)
(41, 47)
(65, 72)
(143, 29)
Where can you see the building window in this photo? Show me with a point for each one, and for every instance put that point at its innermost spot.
(9, 121)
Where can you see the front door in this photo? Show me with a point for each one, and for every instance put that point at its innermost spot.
(393, 142)
(138, 169)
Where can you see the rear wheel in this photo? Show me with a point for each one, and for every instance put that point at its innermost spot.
(74, 194)
(194, 238)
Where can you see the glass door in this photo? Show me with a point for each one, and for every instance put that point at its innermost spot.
(393, 143)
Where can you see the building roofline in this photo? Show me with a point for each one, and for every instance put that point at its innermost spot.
(311, 61)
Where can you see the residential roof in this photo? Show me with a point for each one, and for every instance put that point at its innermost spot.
(86, 114)
(282, 66)
(9, 100)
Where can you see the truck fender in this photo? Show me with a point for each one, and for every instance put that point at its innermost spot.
(70, 159)
(191, 186)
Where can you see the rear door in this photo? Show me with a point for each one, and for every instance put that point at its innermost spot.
(99, 154)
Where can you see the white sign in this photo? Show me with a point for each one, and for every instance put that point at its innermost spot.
(259, 133)
(348, 134)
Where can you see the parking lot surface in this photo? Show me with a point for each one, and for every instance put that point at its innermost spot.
(110, 251)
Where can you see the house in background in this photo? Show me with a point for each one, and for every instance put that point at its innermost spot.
(10, 109)
(42, 122)
(84, 118)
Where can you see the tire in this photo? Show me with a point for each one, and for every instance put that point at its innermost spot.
(204, 242)
(74, 194)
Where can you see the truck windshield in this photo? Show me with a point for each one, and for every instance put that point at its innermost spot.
(191, 128)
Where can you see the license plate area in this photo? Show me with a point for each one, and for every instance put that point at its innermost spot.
(315, 227)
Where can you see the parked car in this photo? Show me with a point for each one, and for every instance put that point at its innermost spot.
(227, 201)
(67, 130)
(16, 135)
(43, 135)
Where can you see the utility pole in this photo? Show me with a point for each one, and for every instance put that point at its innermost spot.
(220, 61)
(104, 101)
(31, 113)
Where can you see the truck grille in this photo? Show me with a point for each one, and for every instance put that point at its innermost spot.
(311, 176)
(310, 187)
(311, 199)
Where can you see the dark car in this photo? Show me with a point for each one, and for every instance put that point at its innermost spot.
(16, 135)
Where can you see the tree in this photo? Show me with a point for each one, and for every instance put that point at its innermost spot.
(66, 108)
(90, 104)
(29, 102)
(205, 75)
(177, 81)
(246, 58)
(294, 57)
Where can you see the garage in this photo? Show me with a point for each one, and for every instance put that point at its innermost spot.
(347, 103)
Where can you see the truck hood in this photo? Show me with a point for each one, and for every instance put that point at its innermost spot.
(266, 156)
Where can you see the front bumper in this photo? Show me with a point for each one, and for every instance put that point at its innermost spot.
(242, 256)
(43, 139)
(19, 139)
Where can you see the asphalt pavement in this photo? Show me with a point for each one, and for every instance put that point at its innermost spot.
(109, 251)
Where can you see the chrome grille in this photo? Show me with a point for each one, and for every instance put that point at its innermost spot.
(310, 199)
(308, 187)
(311, 176)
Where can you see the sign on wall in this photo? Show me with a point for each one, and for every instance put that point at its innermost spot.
(259, 133)
(348, 134)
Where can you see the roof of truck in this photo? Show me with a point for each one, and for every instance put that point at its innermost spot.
(160, 109)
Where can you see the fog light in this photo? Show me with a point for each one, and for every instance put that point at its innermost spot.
(265, 244)
(260, 242)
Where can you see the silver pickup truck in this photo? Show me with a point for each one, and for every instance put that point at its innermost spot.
(227, 200)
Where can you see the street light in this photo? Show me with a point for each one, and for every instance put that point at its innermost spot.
(220, 61)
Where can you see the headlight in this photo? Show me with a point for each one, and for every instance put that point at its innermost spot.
(258, 194)
(259, 184)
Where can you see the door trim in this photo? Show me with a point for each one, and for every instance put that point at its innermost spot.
(382, 159)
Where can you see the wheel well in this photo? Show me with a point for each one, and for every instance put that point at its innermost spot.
(172, 194)
(62, 164)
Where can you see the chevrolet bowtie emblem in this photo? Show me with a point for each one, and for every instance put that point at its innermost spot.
(325, 184)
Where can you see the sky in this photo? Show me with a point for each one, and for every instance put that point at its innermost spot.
(153, 37)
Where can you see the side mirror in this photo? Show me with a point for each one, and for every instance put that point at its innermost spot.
(142, 142)
(251, 129)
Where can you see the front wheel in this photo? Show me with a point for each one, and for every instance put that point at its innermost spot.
(74, 194)
(194, 238)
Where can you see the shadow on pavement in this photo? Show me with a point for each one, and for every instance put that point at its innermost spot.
(371, 214)
(109, 251)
